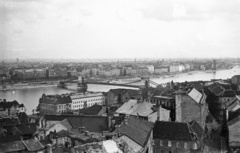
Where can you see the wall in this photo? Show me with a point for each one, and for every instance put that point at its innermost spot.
(174, 149)
(234, 132)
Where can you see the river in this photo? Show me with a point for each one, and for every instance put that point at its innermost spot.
(30, 97)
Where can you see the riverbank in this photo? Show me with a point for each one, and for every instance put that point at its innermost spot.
(25, 86)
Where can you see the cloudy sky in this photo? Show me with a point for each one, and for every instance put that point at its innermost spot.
(119, 28)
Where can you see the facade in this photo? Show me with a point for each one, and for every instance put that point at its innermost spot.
(116, 97)
(191, 106)
(165, 102)
(131, 72)
(150, 69)
(10, 108)
(174, 68)
(40, 73)
(160, 70)
(80, 101)
(234, 133)
(54, 104)
(175, 137)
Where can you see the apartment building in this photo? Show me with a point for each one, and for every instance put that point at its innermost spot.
(80, 101)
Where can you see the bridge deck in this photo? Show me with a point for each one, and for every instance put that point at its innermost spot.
(114, 84)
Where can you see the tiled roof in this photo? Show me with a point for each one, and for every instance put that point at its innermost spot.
(16, 146)
(92, 110)
(33, 145)
(197, 129)
(9, 138)
(30, 128)
(91, 123)
(136, 129)
(216, 89)
(228, 93)
(172, 131)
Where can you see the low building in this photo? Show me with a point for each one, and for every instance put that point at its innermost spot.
(10, 108)
(138, 134)
(176, 137)
(143, 110)
(80, 101)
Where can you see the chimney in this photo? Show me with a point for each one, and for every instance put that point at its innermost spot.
(159, 107)
(178, 105)
(49, 148)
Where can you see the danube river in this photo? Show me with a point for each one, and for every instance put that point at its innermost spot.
(30, 97)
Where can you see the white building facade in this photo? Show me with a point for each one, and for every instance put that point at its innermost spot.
(80, 101)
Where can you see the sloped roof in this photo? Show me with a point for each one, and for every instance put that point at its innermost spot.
(92, 110)
(135, 107)
(33, 145)
(228, 93)
(9, 138)
(195, 95)
(6, 105)
(12, 146)
(30, 128)
(172, 131)
(66, 123)
(216, 89)
(127, 106)
(196, 128)
(142, 109)
(91, 123)
(136, 129)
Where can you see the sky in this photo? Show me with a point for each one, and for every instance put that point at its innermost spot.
(119, 29)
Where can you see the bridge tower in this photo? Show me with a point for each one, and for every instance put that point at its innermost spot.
(81, 85)
(214, 65)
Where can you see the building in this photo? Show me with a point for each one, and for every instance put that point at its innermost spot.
(10, 108)
(54, 104)
(160, 70)
(138, 134)
(165, 102)
(150, 69)
(191, 106)
(116, 97)
(176, 137)
(143, 110)
(80, 101)
(131, 72)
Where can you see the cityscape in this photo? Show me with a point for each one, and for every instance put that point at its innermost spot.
(112, 76)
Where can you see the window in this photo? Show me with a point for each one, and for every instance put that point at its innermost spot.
(178, 145)
(185, 145)
(195, 145)
(161, 143)
(169, 144)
